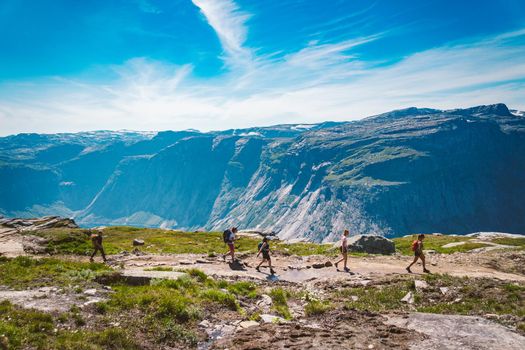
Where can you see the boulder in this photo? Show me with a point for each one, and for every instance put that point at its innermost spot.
(38, 223)
(371, 244)
(137, 242)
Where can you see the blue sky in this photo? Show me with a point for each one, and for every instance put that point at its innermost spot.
(216, 64)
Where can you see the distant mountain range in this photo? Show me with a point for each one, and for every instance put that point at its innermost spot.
(406, 171)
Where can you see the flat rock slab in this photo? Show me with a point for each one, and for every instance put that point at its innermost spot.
(144, 277)
(459, 332)
(11, 248)
(47, 301)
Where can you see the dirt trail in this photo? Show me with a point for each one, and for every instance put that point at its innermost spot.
(303, 269)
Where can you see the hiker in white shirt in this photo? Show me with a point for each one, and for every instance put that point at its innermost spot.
(344, 251)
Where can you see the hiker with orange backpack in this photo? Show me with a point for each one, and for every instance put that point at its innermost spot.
(417, 248)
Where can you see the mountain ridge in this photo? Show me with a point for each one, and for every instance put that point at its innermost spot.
(400, 172)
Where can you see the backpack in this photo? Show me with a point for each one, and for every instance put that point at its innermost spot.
(261, 244)
(415, 245)
(226, 236)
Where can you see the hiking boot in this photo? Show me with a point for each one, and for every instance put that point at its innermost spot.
(272, 271)
(91, 260)
(408, 269)
(257, 268)
(426, 271)
(347, 269)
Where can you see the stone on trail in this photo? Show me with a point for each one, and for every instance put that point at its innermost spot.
(137, 242)
(248, 324)
(266, 318)
(265, 302)
(408, 298)
(318, 265)
(420, 285)
(328, 264)
(91, 292)
(443, 290)
(371, 244)
(205, 324)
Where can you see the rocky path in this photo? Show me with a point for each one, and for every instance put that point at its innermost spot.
(303, 269)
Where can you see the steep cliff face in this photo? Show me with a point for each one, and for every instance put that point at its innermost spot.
(413, 170)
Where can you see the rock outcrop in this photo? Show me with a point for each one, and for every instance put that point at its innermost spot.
(371, 244)
(42, 223)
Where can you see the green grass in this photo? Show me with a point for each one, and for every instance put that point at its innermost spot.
(377, 298)
(23, 329)
(160, 268)
(244, 288)
(280, 302)
(165, 312)
(518, 242)
(120, 238)
(466, 296)
(435, 242)
(317, 307)
(304, 248)
(25, 272)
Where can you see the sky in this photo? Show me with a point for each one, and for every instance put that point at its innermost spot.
(68, 65)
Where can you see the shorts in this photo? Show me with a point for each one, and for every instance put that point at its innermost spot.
(343, 250)
(266, 255)
(416, 253)
(231, 245)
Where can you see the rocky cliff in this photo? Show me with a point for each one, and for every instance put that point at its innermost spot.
(413, 170)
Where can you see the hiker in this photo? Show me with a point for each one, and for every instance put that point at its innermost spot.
(344, 250)
(229, 238)
(417, 248)
(96, 240)
(264, 248)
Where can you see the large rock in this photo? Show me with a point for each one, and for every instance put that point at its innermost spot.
(38, 223)
(371, 244)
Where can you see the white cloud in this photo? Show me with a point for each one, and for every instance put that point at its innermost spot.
(228, 21)
(323, 81)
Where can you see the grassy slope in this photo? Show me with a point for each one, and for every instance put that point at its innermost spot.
(165, 313)
(117, 239)
(435, 242)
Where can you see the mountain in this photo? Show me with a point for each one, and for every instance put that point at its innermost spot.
(406, 171)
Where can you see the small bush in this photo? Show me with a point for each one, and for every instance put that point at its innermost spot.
(198, 274)
(280, 302)
(221, 297)
(244, 288)
(316, 307)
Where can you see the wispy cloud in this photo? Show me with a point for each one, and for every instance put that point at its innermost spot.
(322, 81)
(229, 22)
